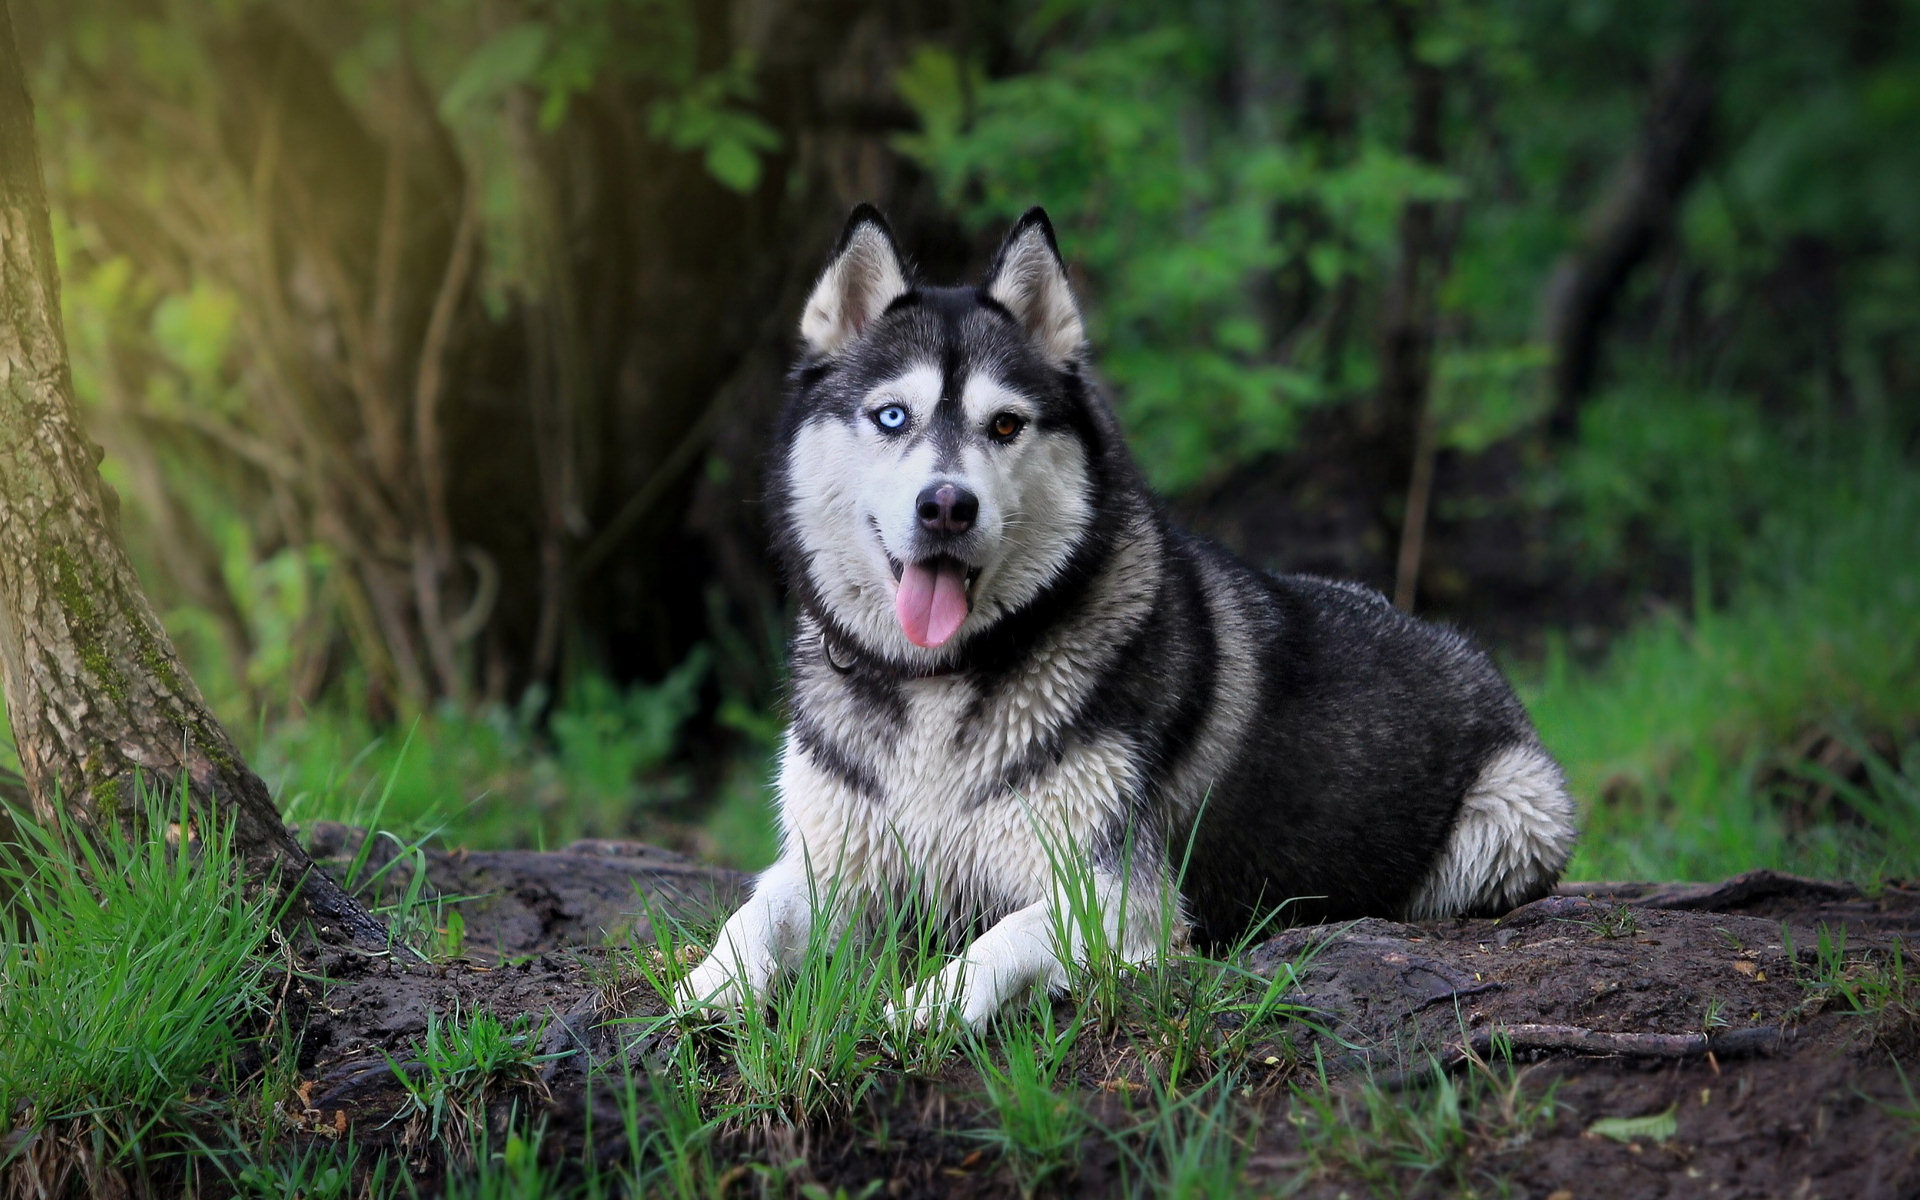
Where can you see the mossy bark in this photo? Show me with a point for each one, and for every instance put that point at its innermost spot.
(94, 689)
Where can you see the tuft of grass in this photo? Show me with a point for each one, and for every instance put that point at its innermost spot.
(907, 943)
(1614, 921)
(670, 1130)
(463, 1064)
(319, 1172)
(513, 1172)
(812, 1045)
(1447, 1136)
(1193, 1146)
(134, 968)
(1193, 1016)
(1875, 986)
(1189, 1015)
(812, 1048)
(1040, 1123)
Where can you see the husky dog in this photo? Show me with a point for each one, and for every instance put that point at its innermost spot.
(1005, 653)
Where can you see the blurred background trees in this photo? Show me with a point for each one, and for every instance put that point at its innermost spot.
(434, 345)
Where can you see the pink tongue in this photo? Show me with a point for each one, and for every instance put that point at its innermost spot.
(931, 601)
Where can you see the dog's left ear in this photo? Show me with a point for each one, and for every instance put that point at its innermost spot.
(1029, 280)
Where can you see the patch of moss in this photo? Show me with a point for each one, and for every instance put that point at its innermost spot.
(152, 655)
(213, 744)
(84, 622)
(106, 796)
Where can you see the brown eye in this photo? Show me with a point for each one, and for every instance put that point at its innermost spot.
(1005, 427)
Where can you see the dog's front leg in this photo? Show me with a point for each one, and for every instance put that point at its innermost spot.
(1023, 950)
(763, 939)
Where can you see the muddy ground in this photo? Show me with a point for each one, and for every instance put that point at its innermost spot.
(1625, 1000)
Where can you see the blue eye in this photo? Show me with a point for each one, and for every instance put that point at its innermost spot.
(891, 417)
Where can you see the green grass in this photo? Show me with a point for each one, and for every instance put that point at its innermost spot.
(669, 1130)
(601, 765)
(313, 1173)
(135, 969)
(1040, 1122)
(1191, 1147)
(462, 1063)
(823, 1036)
(1881, 986)
(822, 1044)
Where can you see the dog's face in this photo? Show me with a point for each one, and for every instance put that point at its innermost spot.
(939, 461)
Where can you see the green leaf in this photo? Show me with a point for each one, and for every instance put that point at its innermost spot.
(1656, 1127)
(194, 330)
(734, 165)
(507, 58)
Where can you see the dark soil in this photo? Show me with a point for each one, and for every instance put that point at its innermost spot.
(1626, 999)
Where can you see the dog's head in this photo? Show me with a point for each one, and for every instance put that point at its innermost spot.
(944, 458)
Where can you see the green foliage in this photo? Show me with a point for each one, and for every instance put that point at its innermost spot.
(1236, 237)
(136, 966)
(221, 403)
(1232, 184)
(605, 738)
(584, 44)
(1168, 232)
(604, 766)
(709, 116)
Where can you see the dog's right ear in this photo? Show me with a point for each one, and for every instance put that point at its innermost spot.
(864, 277)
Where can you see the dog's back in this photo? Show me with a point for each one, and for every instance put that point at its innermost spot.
(1358, 761)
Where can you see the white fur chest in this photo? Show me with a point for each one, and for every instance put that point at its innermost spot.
(974, 799)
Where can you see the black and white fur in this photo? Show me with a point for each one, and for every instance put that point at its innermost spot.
(1118, 687)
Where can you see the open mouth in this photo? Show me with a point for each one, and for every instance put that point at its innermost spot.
(932, 597)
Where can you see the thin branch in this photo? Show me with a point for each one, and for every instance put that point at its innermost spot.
(430, 382)
(650, 493)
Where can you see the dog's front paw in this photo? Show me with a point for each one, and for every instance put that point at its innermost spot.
(950, 995)
(715, 989)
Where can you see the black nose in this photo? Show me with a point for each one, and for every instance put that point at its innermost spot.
(947, 508)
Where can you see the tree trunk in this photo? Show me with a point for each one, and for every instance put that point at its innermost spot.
(1410, 316)
(1631, 220)
(94, 689)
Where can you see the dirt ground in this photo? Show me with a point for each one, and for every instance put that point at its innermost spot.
(1627, 1000)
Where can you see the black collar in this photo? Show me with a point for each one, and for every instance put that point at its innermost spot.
(829, 644)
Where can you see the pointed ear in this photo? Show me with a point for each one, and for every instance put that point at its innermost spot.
(1029, 280)
(864, 277)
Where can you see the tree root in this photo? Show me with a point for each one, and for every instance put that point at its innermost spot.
(1569, 1039)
